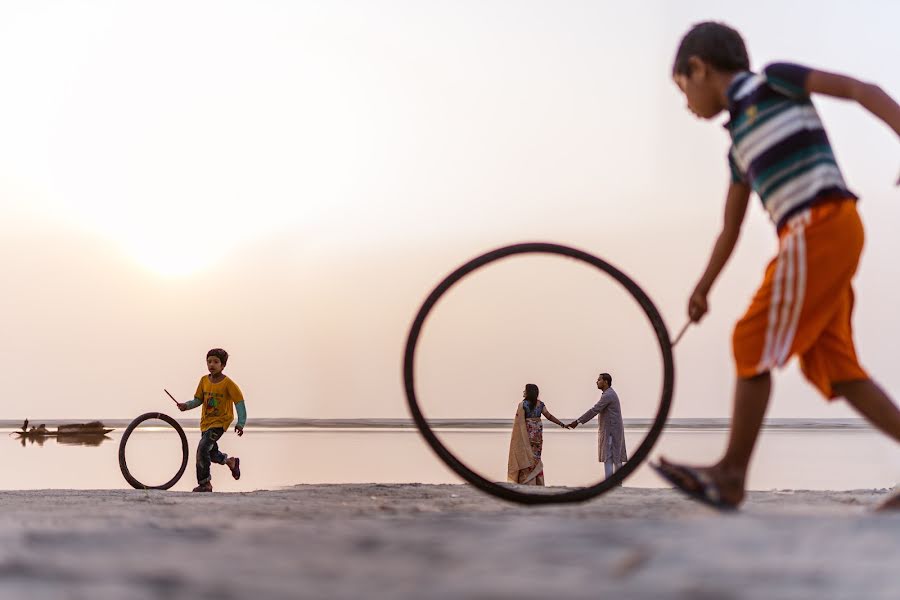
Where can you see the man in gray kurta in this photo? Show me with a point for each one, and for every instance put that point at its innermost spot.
(611, 433)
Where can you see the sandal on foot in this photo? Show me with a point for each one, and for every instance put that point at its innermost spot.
(702, 487)
(236, 469)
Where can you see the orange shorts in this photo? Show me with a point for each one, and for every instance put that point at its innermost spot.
(805, 303)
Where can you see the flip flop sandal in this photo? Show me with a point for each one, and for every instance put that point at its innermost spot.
(706, 490)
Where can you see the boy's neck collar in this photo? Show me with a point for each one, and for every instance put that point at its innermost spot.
(731, 91)
(736, 80)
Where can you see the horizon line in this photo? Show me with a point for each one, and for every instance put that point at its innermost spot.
(478, 423)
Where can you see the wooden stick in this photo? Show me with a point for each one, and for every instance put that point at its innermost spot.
(176, 401)
(681, 333)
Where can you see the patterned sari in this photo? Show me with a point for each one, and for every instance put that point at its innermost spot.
(525, 466)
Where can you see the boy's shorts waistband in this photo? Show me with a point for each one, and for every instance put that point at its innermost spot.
(815, 209)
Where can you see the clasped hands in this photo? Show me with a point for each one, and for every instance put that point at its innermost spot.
(571, 425)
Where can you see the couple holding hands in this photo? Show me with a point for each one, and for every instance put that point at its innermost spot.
(525, 466)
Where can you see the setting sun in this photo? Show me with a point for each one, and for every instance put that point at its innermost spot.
(173, 257)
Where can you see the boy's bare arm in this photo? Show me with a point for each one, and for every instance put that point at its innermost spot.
(868, 95)
(735, 209)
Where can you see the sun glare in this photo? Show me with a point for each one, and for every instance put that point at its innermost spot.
(172, 258)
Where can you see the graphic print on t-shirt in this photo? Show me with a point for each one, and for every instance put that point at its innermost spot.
(213, 403)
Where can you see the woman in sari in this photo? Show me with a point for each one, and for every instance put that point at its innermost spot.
(524, 465)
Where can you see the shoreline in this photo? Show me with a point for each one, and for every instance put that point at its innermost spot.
(688, 423)
(443, 541)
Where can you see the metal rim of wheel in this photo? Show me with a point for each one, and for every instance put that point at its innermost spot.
(508, 493)
(123, 465)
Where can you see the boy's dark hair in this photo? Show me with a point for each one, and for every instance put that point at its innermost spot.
(606, 377)
(220, 354)
(714, 43)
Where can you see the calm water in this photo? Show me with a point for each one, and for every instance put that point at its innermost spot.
(272, 457)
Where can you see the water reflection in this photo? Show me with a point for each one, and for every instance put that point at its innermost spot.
(30, 438)
(67, 439)
(85, 439)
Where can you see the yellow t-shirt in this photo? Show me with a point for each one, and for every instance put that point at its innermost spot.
(218, 402)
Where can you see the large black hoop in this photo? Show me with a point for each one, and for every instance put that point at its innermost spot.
(124, 466)
(508, 493)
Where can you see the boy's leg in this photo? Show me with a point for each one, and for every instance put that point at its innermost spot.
(207, 442)
(216, 455)
(220, 458)
(870, 401)
(873, 403)
(751, 398)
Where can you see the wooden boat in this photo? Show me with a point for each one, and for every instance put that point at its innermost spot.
(92, 428)
(69, 429)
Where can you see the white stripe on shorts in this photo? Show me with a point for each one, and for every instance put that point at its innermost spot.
(784, 350)
(788, 292)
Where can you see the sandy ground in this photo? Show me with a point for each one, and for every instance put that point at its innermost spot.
(449, 541)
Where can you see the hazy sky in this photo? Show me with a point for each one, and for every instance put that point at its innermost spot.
(288, 180)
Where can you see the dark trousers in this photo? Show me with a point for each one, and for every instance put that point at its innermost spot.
(208, 452)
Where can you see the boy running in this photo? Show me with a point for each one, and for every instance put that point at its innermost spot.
(218, 394)
(805, 303)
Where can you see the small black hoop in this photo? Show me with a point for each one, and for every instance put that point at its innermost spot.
(184, 451)
(508, 493)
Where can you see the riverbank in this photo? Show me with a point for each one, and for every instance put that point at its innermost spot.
(442, 541)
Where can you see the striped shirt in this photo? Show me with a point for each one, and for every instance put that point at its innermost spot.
(779, 146)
